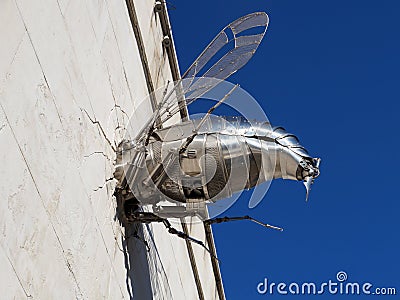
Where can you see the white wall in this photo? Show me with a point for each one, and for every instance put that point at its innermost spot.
(63, 63)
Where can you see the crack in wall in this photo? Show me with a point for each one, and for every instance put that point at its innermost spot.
(97, 152)
(16, 275)
(115, 102)
(113, 145)
(121, 132)
(105, 183)
(120, 108)
(95, 122)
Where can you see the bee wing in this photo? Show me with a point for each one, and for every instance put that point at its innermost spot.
(239, 46)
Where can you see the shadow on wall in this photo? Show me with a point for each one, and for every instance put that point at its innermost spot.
(145, 274)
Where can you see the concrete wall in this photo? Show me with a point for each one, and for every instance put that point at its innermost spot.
(66, 67)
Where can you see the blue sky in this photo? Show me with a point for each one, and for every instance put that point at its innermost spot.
(328, 71)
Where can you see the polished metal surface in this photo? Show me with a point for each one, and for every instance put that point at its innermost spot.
(225, 156)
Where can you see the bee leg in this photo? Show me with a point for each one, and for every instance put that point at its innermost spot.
(228, 219)
(185, 236)
(148, 217)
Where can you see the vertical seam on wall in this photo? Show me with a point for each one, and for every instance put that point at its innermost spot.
(142, 52)
(193, 263)
(214, 262)
(171, 53)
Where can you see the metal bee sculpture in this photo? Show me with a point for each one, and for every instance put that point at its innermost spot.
(176, 170)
